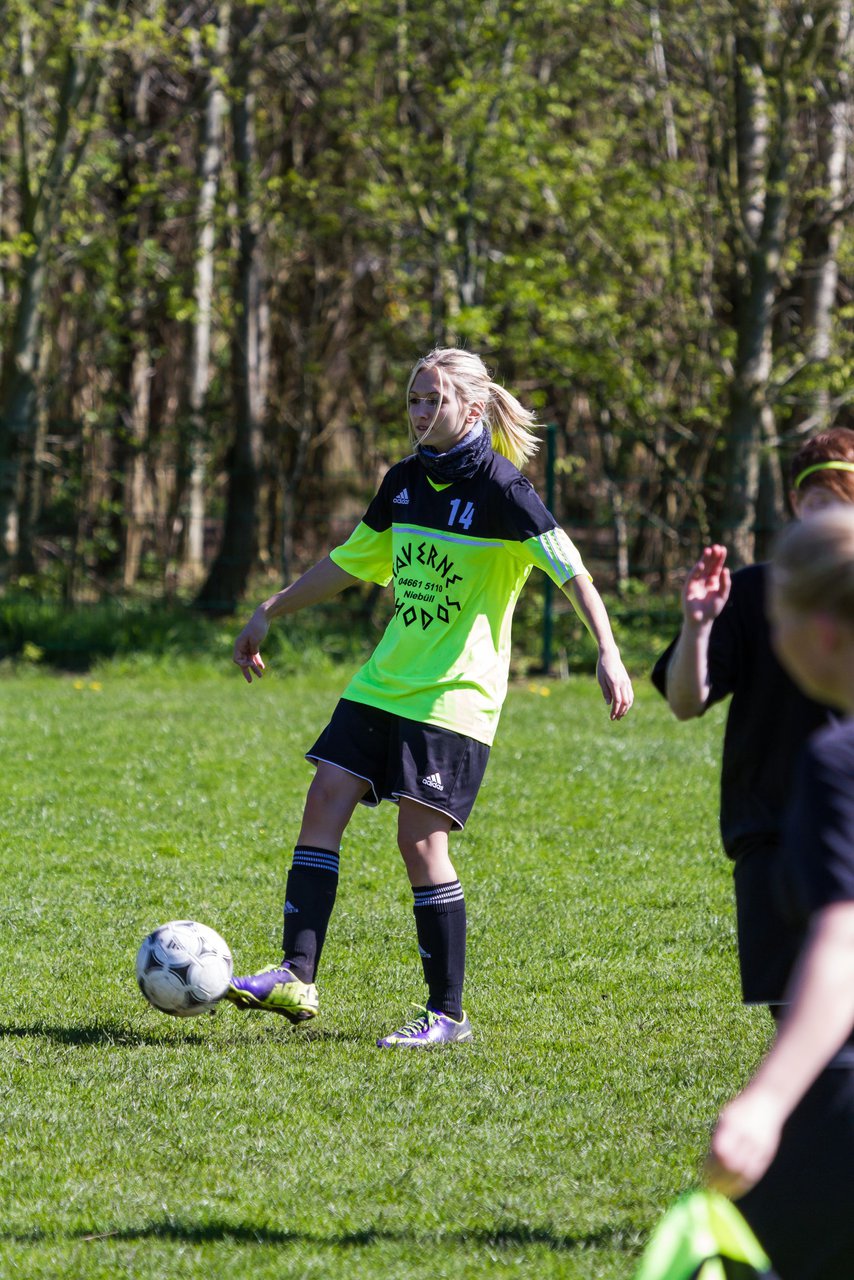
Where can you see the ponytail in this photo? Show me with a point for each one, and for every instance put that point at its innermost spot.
(510, 423)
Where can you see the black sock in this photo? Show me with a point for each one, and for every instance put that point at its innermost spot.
(440, 921)
(309, 899)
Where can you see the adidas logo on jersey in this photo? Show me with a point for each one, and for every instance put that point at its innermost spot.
(402, 498)
(434, 781)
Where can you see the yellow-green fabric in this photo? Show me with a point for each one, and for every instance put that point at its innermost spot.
(697, 1237)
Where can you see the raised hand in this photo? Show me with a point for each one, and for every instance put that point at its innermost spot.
(706, 589)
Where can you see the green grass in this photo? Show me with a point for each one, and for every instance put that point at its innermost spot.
(602, 988)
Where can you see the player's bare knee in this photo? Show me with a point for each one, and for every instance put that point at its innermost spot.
(410, 850)
(416, 861)
(426, 861)
(331, 796)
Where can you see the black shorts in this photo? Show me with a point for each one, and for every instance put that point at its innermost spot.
(404, 758)
(767, 945)
(801, 1210)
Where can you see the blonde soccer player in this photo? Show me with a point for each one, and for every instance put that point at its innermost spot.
(457, 528)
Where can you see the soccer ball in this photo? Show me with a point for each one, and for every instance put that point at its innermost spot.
(183, 968)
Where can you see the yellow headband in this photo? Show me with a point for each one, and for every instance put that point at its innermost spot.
(823, 466)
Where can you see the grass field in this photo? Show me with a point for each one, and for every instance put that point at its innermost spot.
(602, 988)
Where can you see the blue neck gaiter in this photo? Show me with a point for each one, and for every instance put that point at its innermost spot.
(460, 462)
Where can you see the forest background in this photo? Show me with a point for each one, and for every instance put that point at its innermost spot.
(227, 230)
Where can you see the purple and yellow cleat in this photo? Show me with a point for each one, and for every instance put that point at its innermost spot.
(275, 990)
(429, 1030)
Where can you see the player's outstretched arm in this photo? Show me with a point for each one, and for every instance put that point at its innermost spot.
(319, 583)
(818, 1022)
(612, 675)
(704, 595)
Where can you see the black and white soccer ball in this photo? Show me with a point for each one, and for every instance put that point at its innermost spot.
(184, 968)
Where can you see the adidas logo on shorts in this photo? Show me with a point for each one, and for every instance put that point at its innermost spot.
(434, 781)
(402, 498)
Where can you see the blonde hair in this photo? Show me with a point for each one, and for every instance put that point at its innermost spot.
(813, 564)
(508, 421)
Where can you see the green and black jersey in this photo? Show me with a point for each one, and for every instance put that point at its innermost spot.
(459, 555)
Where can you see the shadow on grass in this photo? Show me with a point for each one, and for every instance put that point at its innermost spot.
(192, 1032)
(503, 1236)
(101, 1033)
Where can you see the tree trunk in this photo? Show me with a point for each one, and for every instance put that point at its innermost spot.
(823, 236)
(41, 197)
(136, 504)
(659, 64)
(18, 397)
(135, 219)
(210, 163)
(762, 195)
(229, 574)
(746, 410)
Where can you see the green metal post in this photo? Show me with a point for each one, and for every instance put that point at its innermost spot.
(551, 442)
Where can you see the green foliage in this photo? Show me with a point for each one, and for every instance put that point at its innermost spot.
(75, 639)
(143, 634)
(643, 624)
(555, 185)
(602, 989)
(34, 630)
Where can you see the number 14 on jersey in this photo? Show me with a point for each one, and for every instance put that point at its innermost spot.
(464, 517)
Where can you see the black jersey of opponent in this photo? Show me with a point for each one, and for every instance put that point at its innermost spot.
(768, 721)
(818, 838)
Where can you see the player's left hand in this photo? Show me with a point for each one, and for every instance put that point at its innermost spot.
(744, 1143)
(248, 644)
(615, 684)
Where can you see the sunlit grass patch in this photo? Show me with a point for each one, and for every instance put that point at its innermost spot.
(602, 988)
